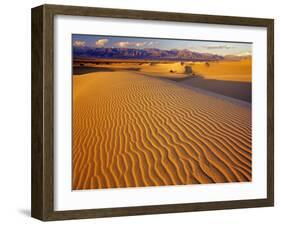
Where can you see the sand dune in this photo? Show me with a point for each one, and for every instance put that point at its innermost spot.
(234, 89)
(132, 130)
(173, 70)
(225, 70)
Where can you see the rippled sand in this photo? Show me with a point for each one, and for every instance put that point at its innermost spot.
(132, 130)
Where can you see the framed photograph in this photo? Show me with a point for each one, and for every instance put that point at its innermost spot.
(141, 112)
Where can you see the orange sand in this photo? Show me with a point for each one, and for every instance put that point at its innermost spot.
(225, 70)
(132, 130)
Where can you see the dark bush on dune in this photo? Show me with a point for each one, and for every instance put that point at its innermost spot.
(188, 70)
(153, 63)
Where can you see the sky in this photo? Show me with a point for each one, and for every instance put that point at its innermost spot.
(213, 47)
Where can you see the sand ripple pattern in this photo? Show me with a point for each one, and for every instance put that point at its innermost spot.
(131, 130)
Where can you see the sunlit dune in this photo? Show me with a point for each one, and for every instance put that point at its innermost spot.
(134, 130)
(225, 70)
(227, 77)
(171, 70)
(163, 68)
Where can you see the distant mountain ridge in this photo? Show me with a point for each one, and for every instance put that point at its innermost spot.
(237, 57)
(147, 53)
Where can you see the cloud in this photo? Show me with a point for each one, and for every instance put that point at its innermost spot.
(219, 47)
(79, 43)
(129, 44)
(244, 53)
(140, 44)
(101, 42)
(121, 44)
(211, 47)
(152, 43)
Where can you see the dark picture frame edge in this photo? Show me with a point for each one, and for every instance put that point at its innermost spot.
(42, 193)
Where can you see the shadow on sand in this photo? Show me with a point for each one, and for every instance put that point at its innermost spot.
(84, 70)
(80, 70)
(238, 90)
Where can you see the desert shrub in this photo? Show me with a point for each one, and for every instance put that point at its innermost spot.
(153, 63)
(188, 70)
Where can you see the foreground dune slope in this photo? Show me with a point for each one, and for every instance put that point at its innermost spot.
(131, 130)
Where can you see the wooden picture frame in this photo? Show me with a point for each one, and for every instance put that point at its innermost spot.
(42, 203)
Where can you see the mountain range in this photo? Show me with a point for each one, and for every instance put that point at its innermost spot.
(147, 53)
